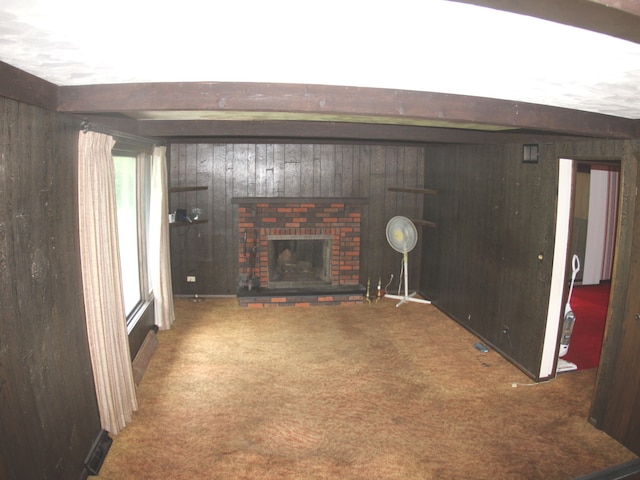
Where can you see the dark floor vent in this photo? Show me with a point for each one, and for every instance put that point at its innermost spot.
(98, 452)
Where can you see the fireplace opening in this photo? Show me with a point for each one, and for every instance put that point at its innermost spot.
(297, 261)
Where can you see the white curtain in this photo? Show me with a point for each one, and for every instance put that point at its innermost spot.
(159, 254)
(102, 282)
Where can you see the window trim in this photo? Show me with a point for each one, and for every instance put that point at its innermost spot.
(141, 153)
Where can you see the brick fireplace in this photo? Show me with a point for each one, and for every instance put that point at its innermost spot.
(298, 251)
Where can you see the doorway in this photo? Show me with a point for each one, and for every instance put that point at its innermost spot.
(594, 219)
(593, 229)
(587, 216)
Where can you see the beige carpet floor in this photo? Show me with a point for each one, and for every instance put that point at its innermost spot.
(353, 392)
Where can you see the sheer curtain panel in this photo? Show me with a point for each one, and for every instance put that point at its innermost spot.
(159, 255)
(102, 282)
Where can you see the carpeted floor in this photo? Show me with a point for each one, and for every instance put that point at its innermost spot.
(353, 392)
(589, 303)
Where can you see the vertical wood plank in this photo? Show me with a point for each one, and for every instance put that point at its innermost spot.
(377, 234)
(219, 218)
(278, 171)
(317, 170)
(327, 170)
(45, 353)
(270, 188)
(337, 173)
(240, 163)
(261, 170)
(347, 171)
(292, 171)
(204, 201)
(251, 170)
(191, 177)
(306, 170)
(363, 154)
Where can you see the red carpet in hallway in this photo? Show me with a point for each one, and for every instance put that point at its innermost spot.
(589, 303)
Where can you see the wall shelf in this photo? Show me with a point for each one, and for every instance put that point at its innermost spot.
(191, 188)
(187, 224)
(186, 189)
(424, 223)
(421, 191)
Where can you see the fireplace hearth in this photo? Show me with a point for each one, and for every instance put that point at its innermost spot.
(299, 251)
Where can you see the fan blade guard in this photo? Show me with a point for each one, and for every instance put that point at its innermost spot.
(401, 234)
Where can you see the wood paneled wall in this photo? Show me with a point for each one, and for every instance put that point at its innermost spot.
(48, 409)
(208, 251)
(496, 217)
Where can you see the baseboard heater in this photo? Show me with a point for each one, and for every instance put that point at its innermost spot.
(143, 357)
(98, 452)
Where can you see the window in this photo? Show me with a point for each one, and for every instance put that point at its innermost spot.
(132, 178)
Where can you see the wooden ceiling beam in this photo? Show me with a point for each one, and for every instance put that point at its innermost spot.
(335, 101)
(298, 129)
(618, 18)
(24, 87)
(336, 131)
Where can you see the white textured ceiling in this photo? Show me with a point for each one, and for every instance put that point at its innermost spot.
(428, 45)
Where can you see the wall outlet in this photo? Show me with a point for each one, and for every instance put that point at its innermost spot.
(191, 279)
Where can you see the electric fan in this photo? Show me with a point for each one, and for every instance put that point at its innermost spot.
(403, 236)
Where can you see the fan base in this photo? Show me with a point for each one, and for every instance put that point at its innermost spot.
(406, 298)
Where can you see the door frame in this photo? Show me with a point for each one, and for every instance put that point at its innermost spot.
(625, 244)
(567, 168)
(557, 293)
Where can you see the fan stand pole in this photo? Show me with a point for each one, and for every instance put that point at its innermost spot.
(407, 297)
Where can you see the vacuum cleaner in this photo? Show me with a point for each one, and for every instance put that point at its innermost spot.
(568, 323)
